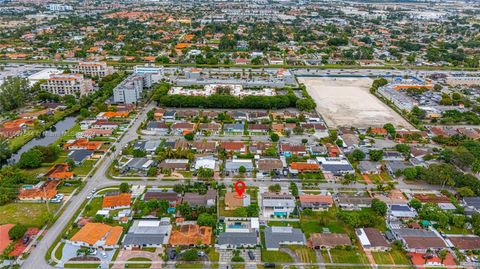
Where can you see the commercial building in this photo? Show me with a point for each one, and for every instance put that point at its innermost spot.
(94, 69)
(131, 89)
(68, 84)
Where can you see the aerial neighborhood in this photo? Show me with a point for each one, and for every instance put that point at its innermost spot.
(265, 134)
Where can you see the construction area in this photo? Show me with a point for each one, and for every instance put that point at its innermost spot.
(347, 102)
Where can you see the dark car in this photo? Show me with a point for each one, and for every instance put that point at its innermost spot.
(251, 255)
(269, 265)
(172, 254)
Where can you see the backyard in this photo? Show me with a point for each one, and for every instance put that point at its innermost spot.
(28, 214)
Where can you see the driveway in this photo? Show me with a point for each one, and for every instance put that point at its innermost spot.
(125, 255)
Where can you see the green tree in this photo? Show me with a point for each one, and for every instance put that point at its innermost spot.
(274, 137)
(190, 255)
(379, 207)
(293, 189)
(390, 129)
(206, 219)
(358, 155)
(189, 136)
(13, 93)
(5, 152)
(375, 155)
(124, 187)
(152, 171)
(17, 232)
(416, 204)
(402, 148)
(410, 173)
(240, 212)
(242, 169)
(30, 159)
(465, 192)
(275, 188)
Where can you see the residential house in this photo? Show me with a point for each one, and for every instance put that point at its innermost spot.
(204, 146)
(233, 128)
(288, 150)
(169, 115)
(194, 199)
(393, 167)
(92, 133)
(149, 146)
(105, 125)
(302, 167)
(258, 129)
(116, 201)
(464, 242)
(233, 201)
(369, 167)
(259, 147)
(191, 235)
(182, 128)
(206, 162)
(59, 172)
(175, 164)
(275, 237)
(169, 195)
(239, 233)
(328, 240)
(41, 192)
(83, 144)
(316, 202)
(336, 166)
(97, 235)
(159, 127)
(353, 202)
(372, 239)
(238, 147)
(234, 165)
(277, 204)
(265, 167)
(209, 128)
(392, 156)
(80, 155)
(138, 164)
(419, 240)
(148, 233)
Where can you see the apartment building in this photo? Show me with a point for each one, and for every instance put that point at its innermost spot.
(94, 69)
(131, 89)
(68, 84)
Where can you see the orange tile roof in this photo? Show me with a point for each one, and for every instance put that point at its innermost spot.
(84, 144)
(4, 238)
(91, 233)
(316, 199)
(123, 199)
(181, 46)
(233, 201)
(379, 131)
(17, 123)
(46, 191)
(304, 166)
(191, 234)
(59, 171)
(112, 114)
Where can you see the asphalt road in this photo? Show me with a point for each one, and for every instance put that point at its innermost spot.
(36, 259)
(98, 180)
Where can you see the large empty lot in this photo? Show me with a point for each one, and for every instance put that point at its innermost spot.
(348, 102)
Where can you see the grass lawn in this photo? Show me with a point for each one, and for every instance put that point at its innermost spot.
(58, 252)
(399, 257)
(323, 219)
(92, 208)
(394, 256)
(189, 265)
(306, 254)
(223, 212)
(28, 214)
(84, 168)
(68, 189)
(81, 265)
(348, 256)
(275, 256)
(382, 258)
(146, 263)
(283, 223)
(213, 255)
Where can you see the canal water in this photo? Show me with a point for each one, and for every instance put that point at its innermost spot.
(47, 138)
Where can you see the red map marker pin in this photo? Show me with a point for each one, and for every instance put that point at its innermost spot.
(240, 188)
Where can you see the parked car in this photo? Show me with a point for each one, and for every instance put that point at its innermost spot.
(251, 255)
(269, 265)
(172, 254)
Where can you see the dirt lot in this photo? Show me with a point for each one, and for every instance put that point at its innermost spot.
(348, 102)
